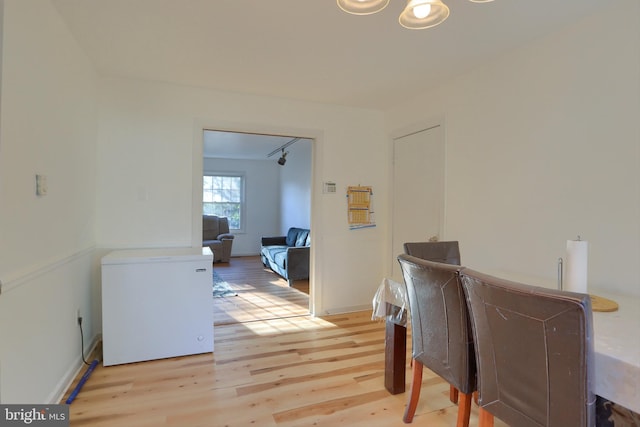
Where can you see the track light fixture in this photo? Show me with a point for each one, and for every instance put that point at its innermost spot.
(283, 159)
(417, 14)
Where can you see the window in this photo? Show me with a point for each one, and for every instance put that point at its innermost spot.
(222, 195)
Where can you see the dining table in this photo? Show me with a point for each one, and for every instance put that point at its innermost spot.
(616, 340)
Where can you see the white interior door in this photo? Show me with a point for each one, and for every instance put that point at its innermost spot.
(418, 190)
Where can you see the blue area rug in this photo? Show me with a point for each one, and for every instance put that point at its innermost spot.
(221, 288)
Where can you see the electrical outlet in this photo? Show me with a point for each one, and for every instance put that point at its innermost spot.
(78, 316)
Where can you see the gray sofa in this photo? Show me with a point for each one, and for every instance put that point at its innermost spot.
(288, 255)
(215, 235)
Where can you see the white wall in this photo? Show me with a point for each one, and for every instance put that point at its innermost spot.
(262, 195)
(147, 175)
(542, 146)
(49, 127)
(295, 187)
(1, 55)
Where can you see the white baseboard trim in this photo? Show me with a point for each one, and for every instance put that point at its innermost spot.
(342, 310)
(67, 379)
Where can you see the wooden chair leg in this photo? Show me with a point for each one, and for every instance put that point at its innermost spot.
(453, 394)
(464, 410)
(475, 396)
(414, 394)
(485, 419)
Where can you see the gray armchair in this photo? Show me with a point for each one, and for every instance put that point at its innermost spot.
(215, 235)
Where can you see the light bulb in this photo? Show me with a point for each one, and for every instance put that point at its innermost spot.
(422, 11)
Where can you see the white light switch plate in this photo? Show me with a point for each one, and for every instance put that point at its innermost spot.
(41, 185)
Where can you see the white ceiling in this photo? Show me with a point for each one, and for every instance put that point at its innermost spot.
(305, 49)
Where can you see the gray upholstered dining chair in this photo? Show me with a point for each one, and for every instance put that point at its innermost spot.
(440, 334)
(447, 252)
(534, 352)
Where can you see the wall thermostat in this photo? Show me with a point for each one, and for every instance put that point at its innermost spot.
(329, 188)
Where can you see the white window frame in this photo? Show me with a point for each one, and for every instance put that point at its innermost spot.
(242, 177)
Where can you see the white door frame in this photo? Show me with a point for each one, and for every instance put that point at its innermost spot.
(317, 136)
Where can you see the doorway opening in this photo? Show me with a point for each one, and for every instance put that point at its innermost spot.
(274, 173)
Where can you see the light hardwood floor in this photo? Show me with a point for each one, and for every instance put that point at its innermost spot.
(262, 294)
(286, 372)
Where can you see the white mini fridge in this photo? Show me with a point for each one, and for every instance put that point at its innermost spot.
(156, 303)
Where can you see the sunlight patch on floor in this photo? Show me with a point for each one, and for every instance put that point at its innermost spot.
(287, 325)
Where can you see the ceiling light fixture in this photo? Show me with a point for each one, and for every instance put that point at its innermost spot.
(417, 14)
(362, 7)
(420, 14)
(283, 159)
